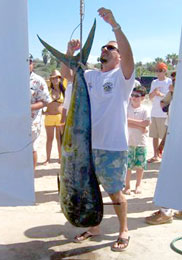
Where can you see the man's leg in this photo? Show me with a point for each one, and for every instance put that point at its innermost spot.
(91, 232)
(121, 211)
(34, 159)
(127, 190)
(139, 176)
(153, 132)
(155, 147)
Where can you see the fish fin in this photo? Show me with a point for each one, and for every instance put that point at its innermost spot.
(70, 61)
(88, 44)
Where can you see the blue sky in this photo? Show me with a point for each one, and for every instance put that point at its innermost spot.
(153, 28)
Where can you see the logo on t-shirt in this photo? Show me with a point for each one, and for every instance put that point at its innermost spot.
(108, 86)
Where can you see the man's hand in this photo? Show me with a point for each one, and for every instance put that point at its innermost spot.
(158, 93)
(73, 46)
(107, 15)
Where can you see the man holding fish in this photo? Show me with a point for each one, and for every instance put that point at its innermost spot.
(109, 90)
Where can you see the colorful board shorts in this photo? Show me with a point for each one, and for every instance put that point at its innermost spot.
(137, 157)
(110, 169)
(52, 120)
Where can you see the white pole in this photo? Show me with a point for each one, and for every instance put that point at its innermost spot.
(81, 25)
(16, 164)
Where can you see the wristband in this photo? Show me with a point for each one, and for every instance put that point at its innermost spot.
(117, 27)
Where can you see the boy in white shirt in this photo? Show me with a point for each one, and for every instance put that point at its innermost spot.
(138, 121)
(159, 89)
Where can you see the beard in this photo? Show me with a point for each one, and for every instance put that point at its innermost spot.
(103, 60)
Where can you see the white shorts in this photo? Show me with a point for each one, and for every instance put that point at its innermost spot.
(35, 139)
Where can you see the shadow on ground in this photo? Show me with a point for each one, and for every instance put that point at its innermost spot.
(56, 241)
(46, 172)
(46, 196)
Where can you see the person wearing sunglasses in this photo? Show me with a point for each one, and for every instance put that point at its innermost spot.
(159, 89)
(109, 90)
(138, 122)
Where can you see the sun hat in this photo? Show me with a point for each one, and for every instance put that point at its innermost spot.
(161, 66)
(54, 74)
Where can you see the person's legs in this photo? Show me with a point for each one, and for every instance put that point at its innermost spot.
(155, 147)
(127, 190)
(58, 138)
(153, 132)
(50, 136)
(121, 211)
(35, 141)
(139, 176)
(110, 169)
(140, 164)
(34, 159)
(131, 163)
(91, 232)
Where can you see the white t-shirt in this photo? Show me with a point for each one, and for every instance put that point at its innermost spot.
(68, 94)
(136, 136)
(109, 94)
(163, 86)
(137, 83)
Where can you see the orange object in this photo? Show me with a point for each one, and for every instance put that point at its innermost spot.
(161, 66)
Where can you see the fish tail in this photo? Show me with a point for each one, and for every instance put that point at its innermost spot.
(72, 61)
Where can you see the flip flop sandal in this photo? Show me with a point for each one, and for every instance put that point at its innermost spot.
(84, 236)
(120, 241)
(153, 159)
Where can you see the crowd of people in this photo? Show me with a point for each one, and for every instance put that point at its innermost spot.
(120, 122)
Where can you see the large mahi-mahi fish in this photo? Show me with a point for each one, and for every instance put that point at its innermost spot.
(80, 196)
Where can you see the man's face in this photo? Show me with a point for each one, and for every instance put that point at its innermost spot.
(109, 51)
(160, 72)
(136, 97)
(30, 65)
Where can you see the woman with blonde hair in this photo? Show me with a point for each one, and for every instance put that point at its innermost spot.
(53, 113)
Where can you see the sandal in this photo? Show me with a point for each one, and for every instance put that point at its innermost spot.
(153, 159)
(127, 191)
(84, 236)
(120, 241)
(178, 214)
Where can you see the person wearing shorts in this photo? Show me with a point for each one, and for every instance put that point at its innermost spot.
(138, 121)
(53, 113)
(39, 98)
(110, 169)
(159, 89)
(109, 90)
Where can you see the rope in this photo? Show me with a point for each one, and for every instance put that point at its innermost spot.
(175, 248)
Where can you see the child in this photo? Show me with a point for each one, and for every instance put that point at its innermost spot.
(138, 121)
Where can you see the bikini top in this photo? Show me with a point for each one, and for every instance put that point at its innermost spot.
(58, 98)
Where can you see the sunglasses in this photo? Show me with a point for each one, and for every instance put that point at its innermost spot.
(109, 48)
(160, 70)
(136, 95)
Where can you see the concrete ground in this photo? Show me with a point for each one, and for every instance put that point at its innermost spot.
(41, 232)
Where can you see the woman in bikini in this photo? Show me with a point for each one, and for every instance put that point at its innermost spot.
(53, 113)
